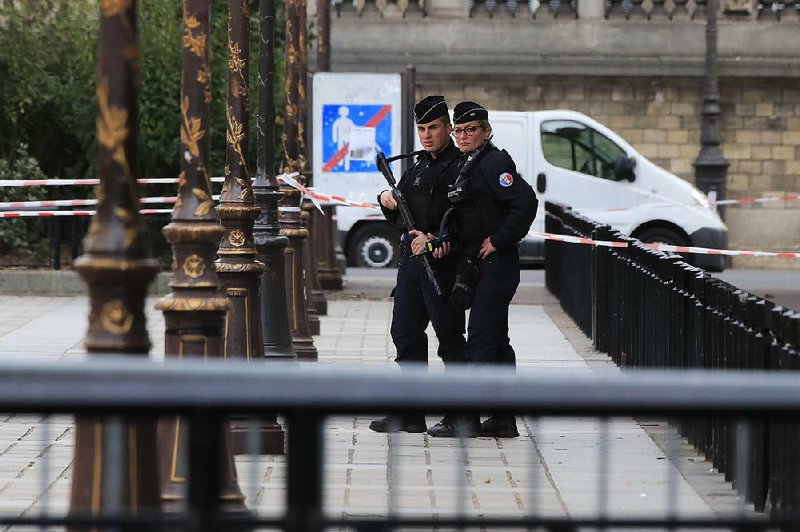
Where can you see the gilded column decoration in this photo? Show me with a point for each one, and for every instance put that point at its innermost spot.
(237, 266)
(290, 212)
(270, 242)
(315, 299)
(196, 309)
(326, 234)
(117, 269)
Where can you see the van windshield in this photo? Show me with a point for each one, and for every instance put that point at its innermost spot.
(574, 146)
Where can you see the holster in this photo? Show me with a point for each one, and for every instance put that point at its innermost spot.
(467, 277)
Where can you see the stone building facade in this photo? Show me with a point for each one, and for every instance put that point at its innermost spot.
(636, 66)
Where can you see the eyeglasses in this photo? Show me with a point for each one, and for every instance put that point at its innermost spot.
(468, 131)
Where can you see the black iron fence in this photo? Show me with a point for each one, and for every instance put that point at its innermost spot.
(205, 394)
(648, 309)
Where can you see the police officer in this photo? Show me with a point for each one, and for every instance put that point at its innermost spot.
(425, 187)
(493, 210)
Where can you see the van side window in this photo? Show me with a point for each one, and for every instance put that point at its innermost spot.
(574, 146)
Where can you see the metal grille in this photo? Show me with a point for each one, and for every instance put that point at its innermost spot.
(580, 461)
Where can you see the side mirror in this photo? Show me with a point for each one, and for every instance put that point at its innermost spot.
(624, 168)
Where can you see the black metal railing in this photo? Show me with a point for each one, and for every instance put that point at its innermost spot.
(206, 393)
(649, 309)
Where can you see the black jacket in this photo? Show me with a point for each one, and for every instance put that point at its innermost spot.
(440, 171)
(497, 203)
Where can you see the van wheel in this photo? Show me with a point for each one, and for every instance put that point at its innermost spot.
(375, 246)
(662, 235)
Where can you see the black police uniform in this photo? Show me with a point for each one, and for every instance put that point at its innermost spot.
(496, 203)
(491, 200)
(425, 187)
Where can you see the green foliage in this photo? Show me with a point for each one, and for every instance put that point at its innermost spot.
(47, 76)
(160, 34)
(22, 237)
(48, 63)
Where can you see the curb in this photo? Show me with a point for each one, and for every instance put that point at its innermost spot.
(69, 283)
(60, 283)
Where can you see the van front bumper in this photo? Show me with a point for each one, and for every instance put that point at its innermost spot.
(709, 237)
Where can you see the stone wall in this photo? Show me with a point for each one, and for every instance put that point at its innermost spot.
(661, 118)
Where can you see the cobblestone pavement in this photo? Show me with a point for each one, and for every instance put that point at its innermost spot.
(553, 468)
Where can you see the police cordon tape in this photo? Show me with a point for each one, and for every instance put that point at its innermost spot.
(317, 196)
(740, 201)
(50, 214)
(339, 200)
(665, 247)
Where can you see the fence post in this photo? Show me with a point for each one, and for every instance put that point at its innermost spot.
(304, 472)
(602, 284)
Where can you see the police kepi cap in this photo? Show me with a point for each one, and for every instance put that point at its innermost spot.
(429, 109)
(468, 111)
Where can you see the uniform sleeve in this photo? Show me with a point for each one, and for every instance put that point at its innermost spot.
(500, 175)
(393, 217)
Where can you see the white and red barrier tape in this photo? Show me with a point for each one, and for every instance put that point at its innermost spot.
(50, 214)
(740, 201)
(47, 204)
(316, 196)
(665, 247)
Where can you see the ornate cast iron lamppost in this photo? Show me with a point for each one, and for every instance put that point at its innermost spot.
(711, 168)
(325, 232)
(291, 223)
(315, 299)
(117, 270)
(271, 244)
(195, 311)
(237, 267)
(239, 272)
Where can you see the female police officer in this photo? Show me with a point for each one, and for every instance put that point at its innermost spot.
(493, 210)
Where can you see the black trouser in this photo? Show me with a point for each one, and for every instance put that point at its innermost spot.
(487, 332)
(416, 304)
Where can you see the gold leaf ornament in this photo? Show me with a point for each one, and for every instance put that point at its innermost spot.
(195, 43)
(236, 238)
(205, 202)
(112, 126)
(116, 318)
(235, 61)
(191, 130)
(131, 229)
(194, 266)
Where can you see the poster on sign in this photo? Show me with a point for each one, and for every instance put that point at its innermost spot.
(352, 135)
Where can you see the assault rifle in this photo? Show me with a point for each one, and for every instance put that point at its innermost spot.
(405, 214)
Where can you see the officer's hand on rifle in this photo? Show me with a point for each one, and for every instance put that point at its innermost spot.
(442, 251)
(388, 200)
(421, 242)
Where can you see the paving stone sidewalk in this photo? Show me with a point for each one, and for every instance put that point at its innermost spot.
(554, 468)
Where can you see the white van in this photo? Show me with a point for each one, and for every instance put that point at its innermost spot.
(570, 158)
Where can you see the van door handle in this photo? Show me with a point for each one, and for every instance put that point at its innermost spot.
(541, 183)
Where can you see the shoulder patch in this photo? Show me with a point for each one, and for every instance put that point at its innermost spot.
(506, 179)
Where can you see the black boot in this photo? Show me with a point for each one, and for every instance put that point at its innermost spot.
(399, 423)
(502, 426)
(453, 427)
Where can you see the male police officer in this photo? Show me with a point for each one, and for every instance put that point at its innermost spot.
(425, 186)
(493, 210)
